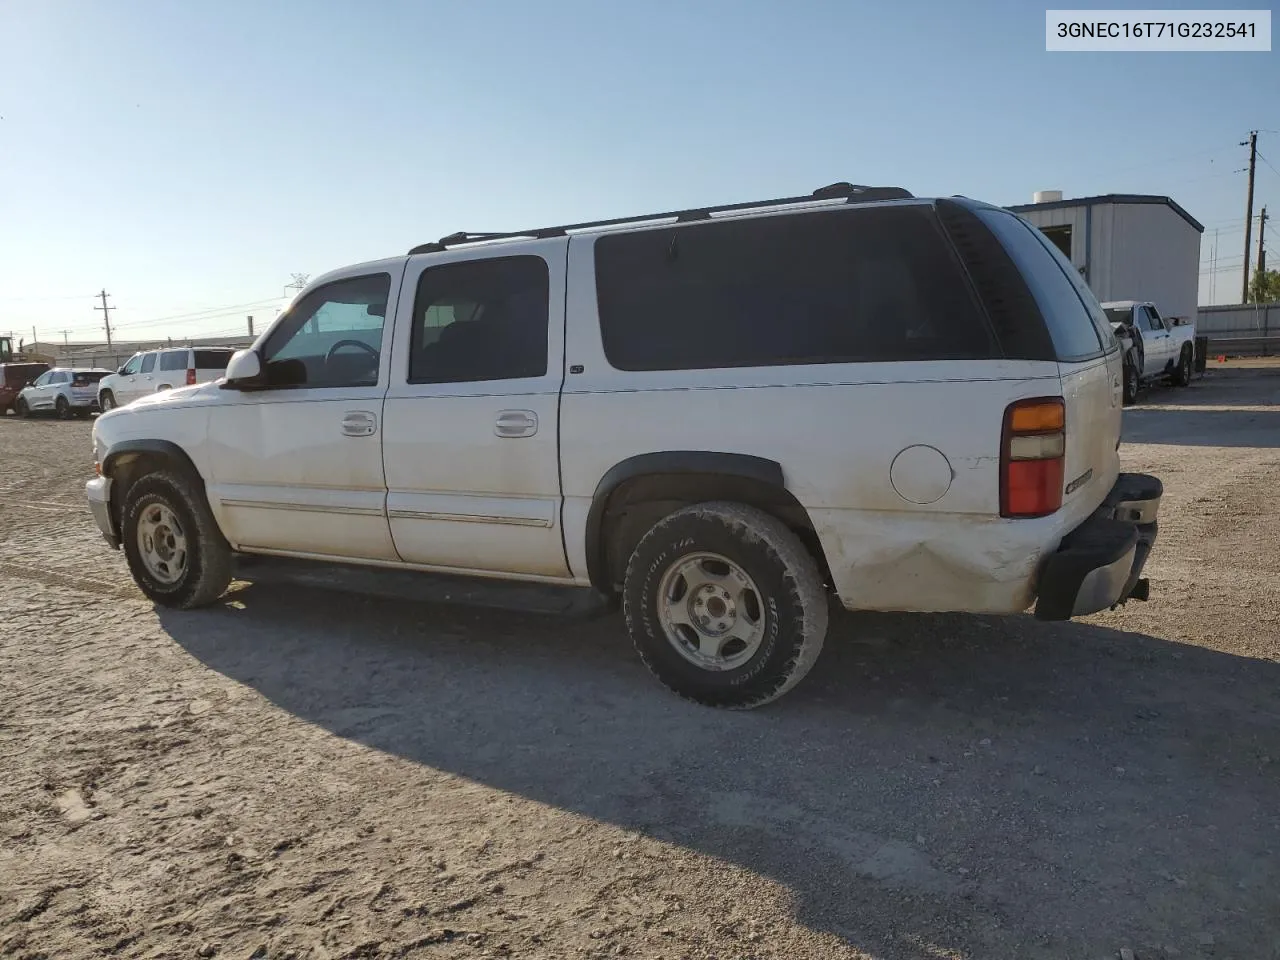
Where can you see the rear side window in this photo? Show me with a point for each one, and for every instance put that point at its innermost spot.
(173, 360)
(89, 376)
(1071, 327)
(830, 287)
(212, 359)
(148, 363)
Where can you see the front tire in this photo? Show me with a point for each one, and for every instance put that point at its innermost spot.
(21, 408)
(1131, 383)
(176, 553)
(107, 401)
(1182, 374)
(725, 605)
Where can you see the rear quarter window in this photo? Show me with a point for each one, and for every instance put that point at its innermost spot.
(852, 285)
(212, 359)
(173, 360)
(1071, 327)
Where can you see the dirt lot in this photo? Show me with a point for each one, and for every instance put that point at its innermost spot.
(306, 773)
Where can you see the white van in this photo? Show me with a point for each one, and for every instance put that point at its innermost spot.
(151, 371)
(721, 418)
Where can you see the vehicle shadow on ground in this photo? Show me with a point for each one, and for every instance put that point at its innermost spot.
(1202, 428)
(984, 785)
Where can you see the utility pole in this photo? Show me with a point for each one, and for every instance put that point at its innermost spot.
(1262, 251)
(106, 311)
(251, 326)
(1252, 144)
(65, 344)
(34, 338)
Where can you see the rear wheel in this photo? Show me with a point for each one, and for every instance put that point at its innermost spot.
(725, 605)
(62, 408)
(176, 553)
(107, 401)
(1182, 373)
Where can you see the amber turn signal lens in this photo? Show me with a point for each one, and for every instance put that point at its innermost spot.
(1045, 415)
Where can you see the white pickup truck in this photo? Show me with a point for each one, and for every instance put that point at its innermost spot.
(1155, 347)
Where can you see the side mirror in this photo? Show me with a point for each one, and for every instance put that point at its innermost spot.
(244, 369)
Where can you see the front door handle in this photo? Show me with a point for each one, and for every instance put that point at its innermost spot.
(516, 423)
(359, 423)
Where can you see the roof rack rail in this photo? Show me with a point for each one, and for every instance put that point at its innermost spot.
(852, 193)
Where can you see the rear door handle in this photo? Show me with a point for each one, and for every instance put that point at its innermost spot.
(516, 423)
(359, 423)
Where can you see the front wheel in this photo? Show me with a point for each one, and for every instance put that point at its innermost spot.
(176, 553)
(1130, 383)
(21, 408)
(725, 605)
(107, 401)
(1182, 374)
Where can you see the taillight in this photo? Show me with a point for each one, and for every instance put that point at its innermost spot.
(1032, 451)
(191, 378)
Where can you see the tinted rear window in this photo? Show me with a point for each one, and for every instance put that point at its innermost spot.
(173, 360)
(831, 287)
(212, 359)
(1070, 325)
(88, 376)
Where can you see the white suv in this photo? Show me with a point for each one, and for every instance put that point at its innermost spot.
(721, 417)
(151, 371)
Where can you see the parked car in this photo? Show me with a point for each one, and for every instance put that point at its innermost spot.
(154, 370)
(13, 377)
(717, 418)
(61, 390)
(1154, 347)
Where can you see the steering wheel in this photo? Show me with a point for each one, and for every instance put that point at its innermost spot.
(372, 351)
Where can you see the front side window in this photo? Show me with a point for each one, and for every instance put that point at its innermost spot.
(148, 363)
(173, 360)
(44, 379)
(132, 367)
(480, 320)
(1144, 319)
(832, 287)
(332, 337)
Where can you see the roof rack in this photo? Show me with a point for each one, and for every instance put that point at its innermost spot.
(851, 193)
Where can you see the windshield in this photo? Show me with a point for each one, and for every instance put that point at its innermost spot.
(1119, 314)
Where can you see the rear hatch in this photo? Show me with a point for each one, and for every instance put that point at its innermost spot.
(84, 385)
(1088, 356)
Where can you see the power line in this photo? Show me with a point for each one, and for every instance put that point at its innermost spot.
(1268, 163)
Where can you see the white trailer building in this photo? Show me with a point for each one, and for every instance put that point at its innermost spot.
(1127, 246)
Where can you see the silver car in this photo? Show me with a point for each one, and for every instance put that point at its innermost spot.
(63, 390)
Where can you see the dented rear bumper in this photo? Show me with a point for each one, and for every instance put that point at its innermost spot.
(1099, 564)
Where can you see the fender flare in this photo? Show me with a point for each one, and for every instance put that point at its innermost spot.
(664, 463)
(166, 449)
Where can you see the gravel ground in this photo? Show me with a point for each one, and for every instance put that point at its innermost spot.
(309, 773)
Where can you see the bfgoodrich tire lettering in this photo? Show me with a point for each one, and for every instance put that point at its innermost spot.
(207, 566)
(792, 601)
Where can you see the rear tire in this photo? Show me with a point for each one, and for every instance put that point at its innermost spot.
(107, 401)
(725, 605)
(62, 408)
(1182, 373)
(176, 553)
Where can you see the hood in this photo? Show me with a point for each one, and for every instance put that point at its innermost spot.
(177, 397)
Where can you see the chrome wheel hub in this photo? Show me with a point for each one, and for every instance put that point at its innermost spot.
(711, 611)
(162, 544)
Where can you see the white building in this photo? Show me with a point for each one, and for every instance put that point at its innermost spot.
(1127, 246)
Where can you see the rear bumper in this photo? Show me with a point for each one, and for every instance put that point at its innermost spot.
(1099, 564)
(98, 493)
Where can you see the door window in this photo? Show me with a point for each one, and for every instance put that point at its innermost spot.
(148, 363)
(132, 367)
(332, 337)
(44, 379)
(480, 320)
(1146, 322)
(173, 360)
(60, 377)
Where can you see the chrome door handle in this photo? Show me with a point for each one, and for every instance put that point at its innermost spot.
(516, 423)
(359, 423)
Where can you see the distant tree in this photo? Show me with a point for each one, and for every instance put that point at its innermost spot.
(1264, 286)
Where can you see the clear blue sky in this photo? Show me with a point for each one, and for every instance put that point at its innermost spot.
(191, 155)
